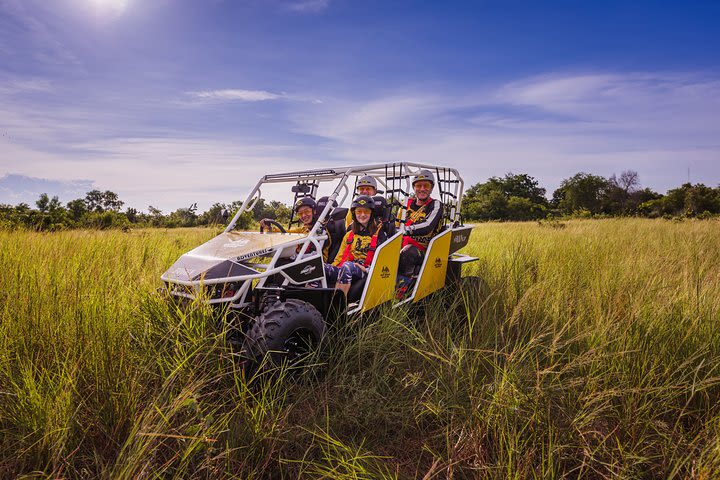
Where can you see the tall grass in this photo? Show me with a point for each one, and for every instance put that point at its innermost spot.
(590, 351)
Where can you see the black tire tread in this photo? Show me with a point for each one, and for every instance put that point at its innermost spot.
(275, 324)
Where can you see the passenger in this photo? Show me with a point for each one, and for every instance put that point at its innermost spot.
(422, 223)
(366, 185)
(352, 262)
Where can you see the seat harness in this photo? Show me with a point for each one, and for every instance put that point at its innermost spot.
(415, 216)
(347, 253)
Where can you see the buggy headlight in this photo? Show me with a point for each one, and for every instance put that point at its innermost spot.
(222, 290)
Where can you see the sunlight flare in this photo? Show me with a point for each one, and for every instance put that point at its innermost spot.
(115, 7)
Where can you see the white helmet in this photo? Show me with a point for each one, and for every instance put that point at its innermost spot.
(426, 175)
(367, 181)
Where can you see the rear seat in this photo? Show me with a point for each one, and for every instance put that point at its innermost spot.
(335, 225)
(384, 211)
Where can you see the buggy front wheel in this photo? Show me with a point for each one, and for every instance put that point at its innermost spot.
(286, 333)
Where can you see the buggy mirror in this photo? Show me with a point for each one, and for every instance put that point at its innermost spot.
(301, 188)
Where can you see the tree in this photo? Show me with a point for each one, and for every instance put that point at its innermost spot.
(111, 201)
(43, 203)
(76, 209)
(700, 198)
(629, 181)
(184, 217)
(156, 216)
(638, 197)
(522, 186)
(93, 201)
(582, 191)
(97, 201)
(131, 214)
(51, 214)
(513, 197)
(214, 215)
(688, 199)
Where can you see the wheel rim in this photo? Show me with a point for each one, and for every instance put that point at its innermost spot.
(299, 344)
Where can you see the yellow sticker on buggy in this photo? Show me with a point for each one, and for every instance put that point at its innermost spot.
(380, 286)
(434, 269)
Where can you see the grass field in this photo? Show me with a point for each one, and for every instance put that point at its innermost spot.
(591, 349)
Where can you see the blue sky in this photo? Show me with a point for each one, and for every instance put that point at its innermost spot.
(171, 102)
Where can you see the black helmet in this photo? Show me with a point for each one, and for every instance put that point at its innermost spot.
(426, 175)
(381, 208)
(322, 203)
(304, 202)
(366, 181)
(363, 201)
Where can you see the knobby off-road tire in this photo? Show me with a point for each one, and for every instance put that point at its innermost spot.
(286, 332)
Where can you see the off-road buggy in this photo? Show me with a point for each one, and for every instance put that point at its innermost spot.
(262, 278)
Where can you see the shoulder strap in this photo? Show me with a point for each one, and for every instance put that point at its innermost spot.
(372, 247)
(347, 253)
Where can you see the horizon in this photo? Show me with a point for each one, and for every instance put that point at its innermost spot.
(174, 102)
(276, 191)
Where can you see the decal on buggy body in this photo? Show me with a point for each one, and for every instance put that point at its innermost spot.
(257, 253)
(434, 269)
(460, 238)
(380, 285)
(305, 271)
(237, 243)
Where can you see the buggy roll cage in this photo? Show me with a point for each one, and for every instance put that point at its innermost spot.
(392, 177)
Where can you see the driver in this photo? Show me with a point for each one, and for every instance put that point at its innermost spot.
(422, 223)
(305, 210)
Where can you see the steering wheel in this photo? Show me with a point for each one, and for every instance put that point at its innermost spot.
(275, 224)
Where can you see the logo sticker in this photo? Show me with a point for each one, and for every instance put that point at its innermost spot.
(253, 254)
(184, 272)
(460, 239)
(438, 262)
(385, 273)
(307, 270)
(237, 243)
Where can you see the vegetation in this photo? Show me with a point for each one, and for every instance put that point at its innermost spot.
(519, 197)
(102, 210)
(588, 351)
(514, 197)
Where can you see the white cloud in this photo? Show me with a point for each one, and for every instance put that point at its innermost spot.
(11, 86)
(661, 104)
(550, 127)
(235, 95)
(349, 121)
(15, 189)
(165, 172)
(309, 5)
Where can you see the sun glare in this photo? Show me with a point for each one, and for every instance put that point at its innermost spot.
(115, 7)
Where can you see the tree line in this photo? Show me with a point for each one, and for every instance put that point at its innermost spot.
(103, 210)
(519, 197)
(514, 197)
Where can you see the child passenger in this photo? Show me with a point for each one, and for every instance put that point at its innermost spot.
(357, 247)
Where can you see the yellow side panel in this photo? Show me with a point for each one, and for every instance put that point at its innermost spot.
(380, 286)
(435, 263)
